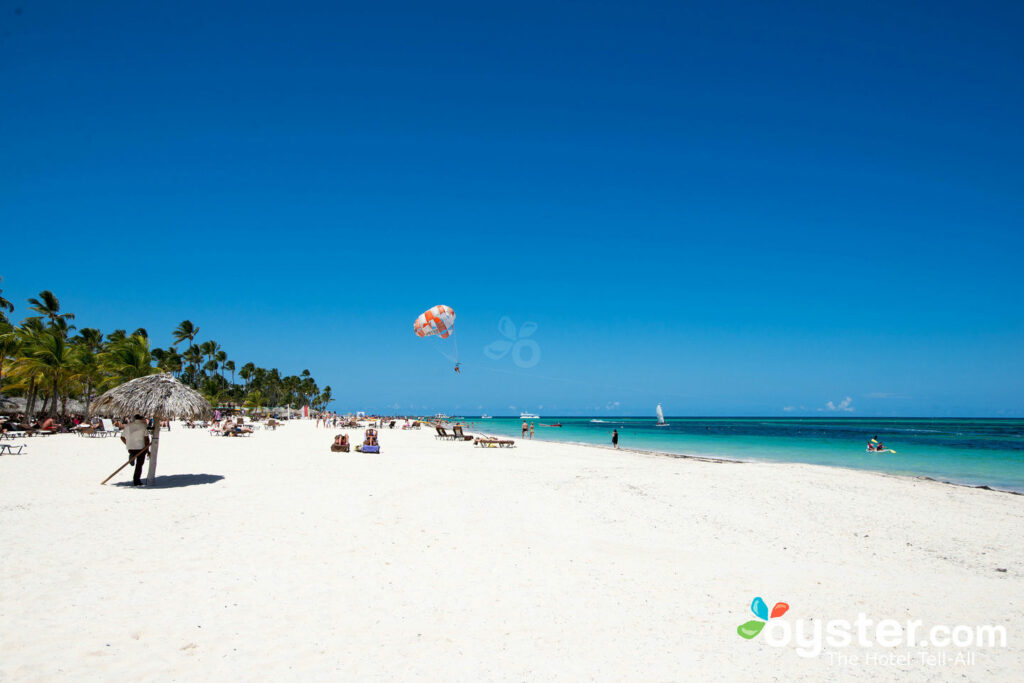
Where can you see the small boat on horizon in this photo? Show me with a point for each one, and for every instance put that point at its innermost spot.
(528, 416)
(557, 424)
(661, 418)
(485, 417)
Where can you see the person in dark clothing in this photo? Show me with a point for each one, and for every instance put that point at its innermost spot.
(615, 438)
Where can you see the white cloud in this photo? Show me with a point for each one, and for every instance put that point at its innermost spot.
(788, 409)
(844, 406)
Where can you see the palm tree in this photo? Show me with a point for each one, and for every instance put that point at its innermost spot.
(255, 400)
(186, 330)
(39, 359)
(324, 398)
(10, 344)
(127, 359)
(49, 357)
(171, 361)
(89, 338)
(247, 372)
(28, 334)
(212, 391)
(48, 306)
(209, 349)
(87, 344)
(193, 356)
(5, 305)
(86, 369)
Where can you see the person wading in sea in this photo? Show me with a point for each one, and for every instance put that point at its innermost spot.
(615, 438)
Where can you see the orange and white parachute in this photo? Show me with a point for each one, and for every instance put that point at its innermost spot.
(439, 320)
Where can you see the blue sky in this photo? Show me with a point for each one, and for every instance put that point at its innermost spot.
(731, 208)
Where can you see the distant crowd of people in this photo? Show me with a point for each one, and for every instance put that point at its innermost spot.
(41, 423)
(63, 424)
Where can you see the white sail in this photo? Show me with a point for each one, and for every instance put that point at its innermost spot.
(661, 415)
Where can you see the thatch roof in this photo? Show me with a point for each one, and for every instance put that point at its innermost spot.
(153, 395)
(18, 404)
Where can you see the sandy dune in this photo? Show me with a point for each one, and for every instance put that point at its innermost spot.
(271, 557)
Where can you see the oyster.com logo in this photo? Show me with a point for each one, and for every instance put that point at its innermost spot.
(525, 351)
(760, 610)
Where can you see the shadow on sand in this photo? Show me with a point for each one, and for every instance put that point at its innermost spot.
(175, 481)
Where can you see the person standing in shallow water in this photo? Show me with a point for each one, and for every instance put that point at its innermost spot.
(531, 430)
(524, 429)
(615, 438)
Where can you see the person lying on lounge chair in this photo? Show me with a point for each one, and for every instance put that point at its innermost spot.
(88, 427)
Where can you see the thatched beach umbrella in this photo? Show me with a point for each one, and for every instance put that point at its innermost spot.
(156, 396)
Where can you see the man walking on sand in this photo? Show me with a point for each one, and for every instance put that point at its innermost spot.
(136, 439)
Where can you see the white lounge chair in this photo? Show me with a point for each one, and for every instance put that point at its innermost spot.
(108, 428)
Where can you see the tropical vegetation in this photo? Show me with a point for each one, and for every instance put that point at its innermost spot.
(48, 360)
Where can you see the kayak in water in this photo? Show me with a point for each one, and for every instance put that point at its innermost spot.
(875, 446)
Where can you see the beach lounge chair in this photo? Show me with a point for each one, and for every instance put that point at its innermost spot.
(442, 433)
(93, 430)
(340, 444)
(370, 444)
(85, 429)
(492, 442)
(9, 449)
(108, 428)
(459, 436)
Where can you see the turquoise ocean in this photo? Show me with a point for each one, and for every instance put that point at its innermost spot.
(976, 452)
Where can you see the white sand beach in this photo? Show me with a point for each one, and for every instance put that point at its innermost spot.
(269, 557)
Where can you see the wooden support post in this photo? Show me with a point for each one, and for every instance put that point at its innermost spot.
(154, 447)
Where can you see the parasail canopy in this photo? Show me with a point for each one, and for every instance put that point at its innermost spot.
(439, 320)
